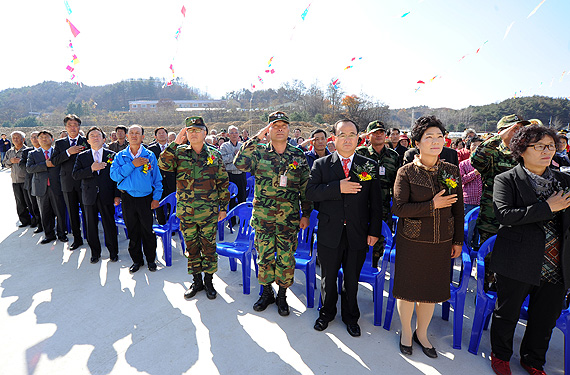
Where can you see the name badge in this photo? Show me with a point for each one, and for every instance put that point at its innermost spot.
(382, 170)
(283, 180)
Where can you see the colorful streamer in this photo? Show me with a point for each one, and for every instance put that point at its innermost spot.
(508, 30)
(535, 9)
(305, 12)
(67, 7)
(405, 14)
(183, 10)
(74, 30)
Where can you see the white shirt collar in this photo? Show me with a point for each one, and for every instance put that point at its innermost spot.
(342, 157)
(138, 153)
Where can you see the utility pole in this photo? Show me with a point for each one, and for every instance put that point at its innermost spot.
(412, 124)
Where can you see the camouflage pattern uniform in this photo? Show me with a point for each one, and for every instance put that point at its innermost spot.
(390, 161)
(201, 190)
(491, 158)
(276, 209)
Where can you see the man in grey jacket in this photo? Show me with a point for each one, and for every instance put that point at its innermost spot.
(18, 174)
(229, 151)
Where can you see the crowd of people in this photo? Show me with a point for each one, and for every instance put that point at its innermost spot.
(354, 179)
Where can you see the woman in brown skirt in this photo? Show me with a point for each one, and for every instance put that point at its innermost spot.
(429, 202)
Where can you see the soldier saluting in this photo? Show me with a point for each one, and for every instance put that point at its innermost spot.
(281, 175)
(202, 196)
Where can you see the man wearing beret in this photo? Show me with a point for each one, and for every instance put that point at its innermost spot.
(202, 196)
(388, 164)
(281, 175)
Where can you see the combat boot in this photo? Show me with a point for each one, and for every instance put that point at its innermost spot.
(282, 306)
(266, 298)
(196, 286)
(210, 291)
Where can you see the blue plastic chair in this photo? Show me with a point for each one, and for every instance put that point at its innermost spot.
(306, 257)
(373, 276)
(242, 247)
(250, 189)
(471, 215)
(457, 300)
(172, 225)
(233, 189)
(119, 220)
(563, 324)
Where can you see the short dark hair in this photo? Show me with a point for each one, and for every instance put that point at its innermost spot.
(297, 129)
(392, 130)
(93, 128)
(456, 142)
(527, 135)
(45, 132)
(160, 127)
(424, 123)
(123, 128)
(335, 126)
(316, 131)
(71, 117)
(471, 140)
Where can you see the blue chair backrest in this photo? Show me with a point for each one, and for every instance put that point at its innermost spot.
(170, 199)
(243, 211)
(485, 249)
(305, 236)
(387, 233)
(233, 190)
(250, 187)
(471, 215)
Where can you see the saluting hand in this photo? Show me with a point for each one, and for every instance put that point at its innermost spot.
(181, 137)
(263, 132)
(347, 187)
(439, 201)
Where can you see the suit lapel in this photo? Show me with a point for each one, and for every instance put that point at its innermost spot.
(336, 166)
(523, 184)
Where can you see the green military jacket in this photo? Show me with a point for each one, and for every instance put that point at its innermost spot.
(491, 158)
(273, 203)
(389, 163)
(201, 181)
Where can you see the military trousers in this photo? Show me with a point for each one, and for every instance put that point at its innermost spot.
(200, 239)
(276, 246)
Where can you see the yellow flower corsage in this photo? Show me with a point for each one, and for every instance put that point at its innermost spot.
(147, 167)
(211, 159)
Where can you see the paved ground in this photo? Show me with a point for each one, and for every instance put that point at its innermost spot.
(59, 314)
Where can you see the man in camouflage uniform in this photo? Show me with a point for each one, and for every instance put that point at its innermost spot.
(201, 199)
(281, 175)
(388, 164)
(491, 158)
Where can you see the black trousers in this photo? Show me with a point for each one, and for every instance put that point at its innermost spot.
(331, 259)
(21, 204)
(73, 201)
(109, 228)
(545, 305)
(241, 182)
(51, 207)
(32, 203)
(138, 220)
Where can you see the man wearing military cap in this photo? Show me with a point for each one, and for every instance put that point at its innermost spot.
(491, 158)
(281, 175)
(202, 196)
(388, 164)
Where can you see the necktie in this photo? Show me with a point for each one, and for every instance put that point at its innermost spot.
(47, 158)
(345, 166)
(72, 142)
(97, 158)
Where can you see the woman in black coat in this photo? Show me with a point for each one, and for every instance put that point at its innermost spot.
(532, 251)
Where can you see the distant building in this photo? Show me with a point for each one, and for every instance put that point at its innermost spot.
(180, 105)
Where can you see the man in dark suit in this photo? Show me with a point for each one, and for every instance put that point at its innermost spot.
(46, 188)
(99, 194)
(447, 154)
(64, 155)
(168, 178)
(347, 187)
(32, 201)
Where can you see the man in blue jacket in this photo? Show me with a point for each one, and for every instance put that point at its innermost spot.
(138, 178)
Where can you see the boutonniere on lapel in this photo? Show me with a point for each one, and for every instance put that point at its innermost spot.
(292, 166)
(147, 167)
(448, 180)
(110, 159)
(365, 172)
(211, 159)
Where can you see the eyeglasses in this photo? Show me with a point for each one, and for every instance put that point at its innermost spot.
(539, 147)
(347, 136)
(193, 130)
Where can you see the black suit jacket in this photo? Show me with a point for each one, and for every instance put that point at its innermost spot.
(36, 164)
(60, 157)
(361, 211)
(519, 248)
(22, 164)
(168, 178)
(447, 154)
(93, 183)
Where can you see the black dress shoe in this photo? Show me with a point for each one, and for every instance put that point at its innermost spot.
(94, 260)
(353, 329)
(23, 225)
(430, 352)
(33, 225)
(63, 238)
(114, 258)
(406, 350)
(76, 244)
(135, 267)
(152, 267)
(320, 324)
(39, 229)
(47, 240)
